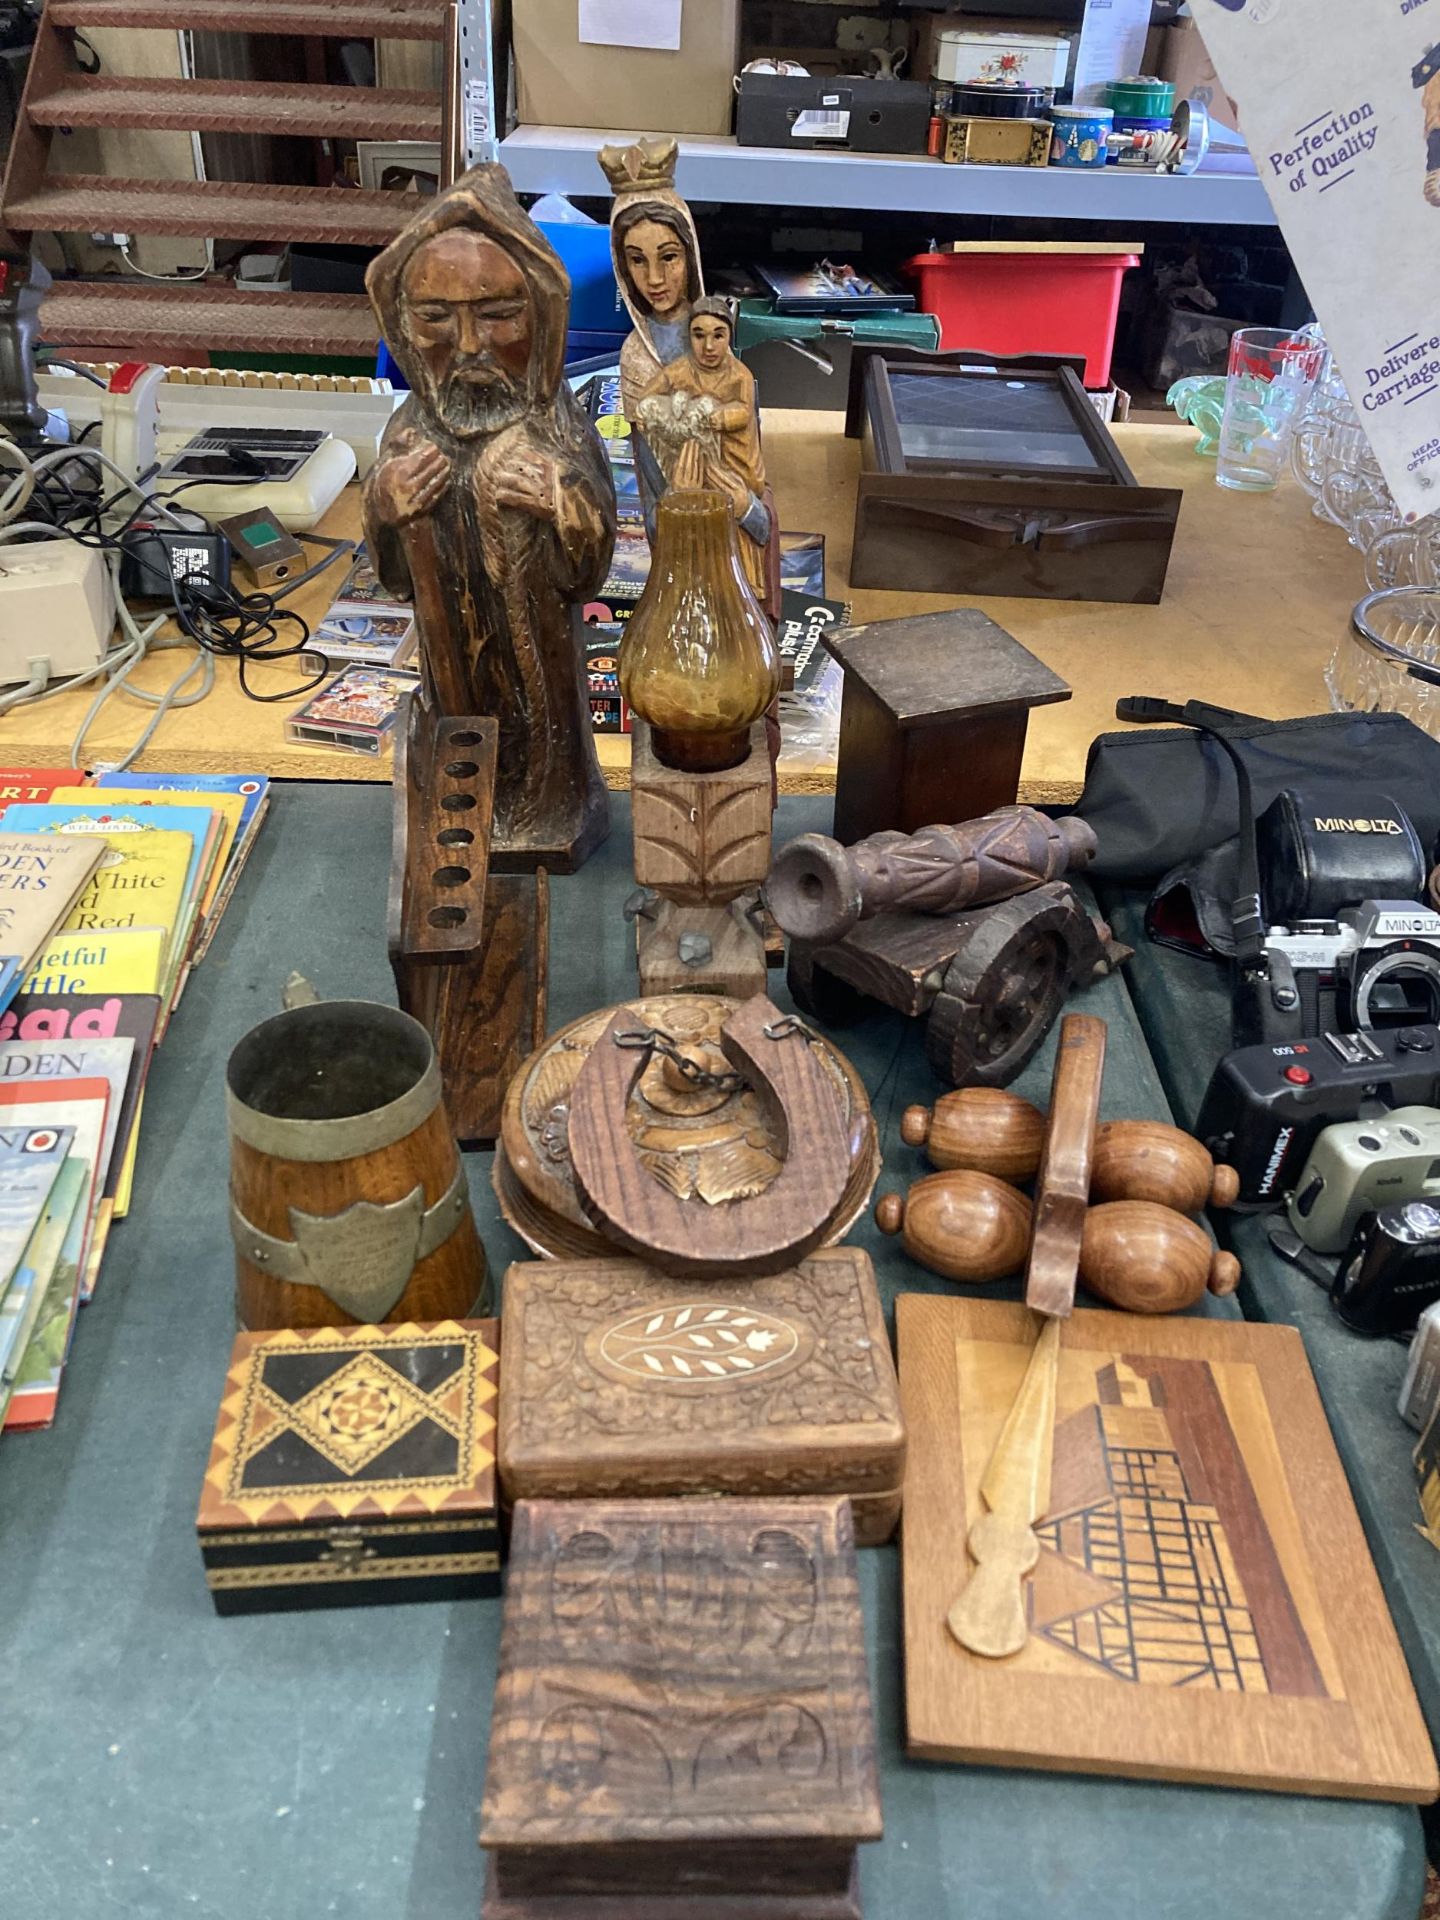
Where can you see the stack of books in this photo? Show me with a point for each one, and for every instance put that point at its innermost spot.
(110, 893)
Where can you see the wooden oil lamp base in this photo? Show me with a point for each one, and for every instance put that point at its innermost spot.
(702, 845)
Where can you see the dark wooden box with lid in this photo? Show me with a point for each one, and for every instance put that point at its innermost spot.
(354, 1466)
(682, 1726)
(987, 475)
(932, 720)
(619, 1381)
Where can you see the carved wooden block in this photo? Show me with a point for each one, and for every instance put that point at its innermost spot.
(700, 838)
(701, 950)
(682, 1722)
(468, 931)
(621, 1381)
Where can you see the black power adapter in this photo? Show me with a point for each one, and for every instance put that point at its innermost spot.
(157, 559)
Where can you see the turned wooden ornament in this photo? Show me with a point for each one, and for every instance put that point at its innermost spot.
(1134, 1253)
(962, 1225)
(1146, 1160)
(1148, 1259)
(990, 1130)
(983, 1129)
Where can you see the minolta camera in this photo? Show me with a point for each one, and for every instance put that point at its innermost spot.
(1340, 941)
(1375, 965)
(1361, 1166)
(1391, 1269)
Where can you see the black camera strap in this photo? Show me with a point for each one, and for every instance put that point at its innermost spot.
(1247, 914)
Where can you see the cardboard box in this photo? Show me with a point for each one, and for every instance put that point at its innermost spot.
(1185, 61)
(562, 82)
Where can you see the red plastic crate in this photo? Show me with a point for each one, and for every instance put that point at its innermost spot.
(1018, 301)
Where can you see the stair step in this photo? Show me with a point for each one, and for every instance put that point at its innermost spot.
(159, 322)
(330, 19)
(211, 209)
(240, 106)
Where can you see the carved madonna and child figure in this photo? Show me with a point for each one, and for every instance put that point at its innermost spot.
(691, 402)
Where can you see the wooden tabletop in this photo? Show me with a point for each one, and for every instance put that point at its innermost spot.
(1258, 594)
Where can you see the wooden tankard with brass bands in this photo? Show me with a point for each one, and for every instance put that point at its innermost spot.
(348, 1197)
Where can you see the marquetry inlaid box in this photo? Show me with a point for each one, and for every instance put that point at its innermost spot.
(621, 1381)
(682, 1726)
(354, 1466)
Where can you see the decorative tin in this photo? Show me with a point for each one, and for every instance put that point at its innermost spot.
(621, 1381)
(1079, 136)
(997, 143)
(353, 1467)
(1013, 59)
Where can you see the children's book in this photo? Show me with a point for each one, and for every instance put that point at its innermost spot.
(229, 806)
(31, 1156)
(66, 1021)
(252, 788)
(78, 1103)
(132, 961)
(36, 1387)
(40, 880)
(110, 1060)
(140, 882)
(20, 1309)
(36, 783)
(202, 824)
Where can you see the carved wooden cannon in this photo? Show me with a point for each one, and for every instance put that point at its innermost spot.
(990, 977)
(818, 890)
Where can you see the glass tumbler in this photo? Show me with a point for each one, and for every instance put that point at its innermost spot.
(1268, 386)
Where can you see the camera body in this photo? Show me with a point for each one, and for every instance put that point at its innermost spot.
(1391, 1269)
(1360, 1166)
(1377, 964)
(1346, 942)
(1266, 1106)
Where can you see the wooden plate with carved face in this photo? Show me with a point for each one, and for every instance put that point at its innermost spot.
(704, 1144)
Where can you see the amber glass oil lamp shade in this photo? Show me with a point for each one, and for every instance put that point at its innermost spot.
(698, 660)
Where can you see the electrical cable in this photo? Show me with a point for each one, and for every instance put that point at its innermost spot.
(216, 621)
(43, 365)
(170, 279)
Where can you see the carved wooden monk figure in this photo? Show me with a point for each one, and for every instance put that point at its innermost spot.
(491, 503)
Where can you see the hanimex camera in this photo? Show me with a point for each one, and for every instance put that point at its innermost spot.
(1360, 1166)
(1266, 1106)
(1391, 1269)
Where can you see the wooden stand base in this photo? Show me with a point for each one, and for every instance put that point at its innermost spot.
(702, 841)
(469, 942)
(701, 950)
(676, 1906)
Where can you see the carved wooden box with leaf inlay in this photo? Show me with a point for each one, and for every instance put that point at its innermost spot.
(682, 1726)
(621, 1381)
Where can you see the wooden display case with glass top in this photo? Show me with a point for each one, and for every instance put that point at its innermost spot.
(986, 475)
